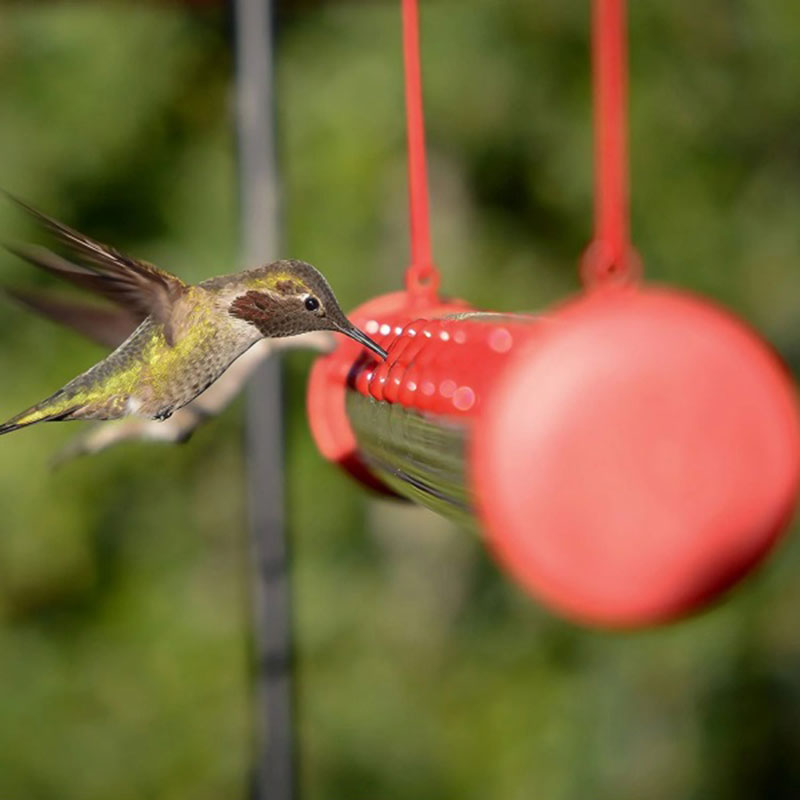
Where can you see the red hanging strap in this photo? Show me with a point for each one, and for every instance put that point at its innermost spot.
(610, 257)
(422, 277)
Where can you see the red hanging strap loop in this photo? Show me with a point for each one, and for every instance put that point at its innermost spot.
(422, 277)
(610, 257)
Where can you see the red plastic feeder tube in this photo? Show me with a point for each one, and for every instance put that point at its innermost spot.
(628, 456)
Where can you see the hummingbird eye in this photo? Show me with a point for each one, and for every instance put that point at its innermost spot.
(311, 303)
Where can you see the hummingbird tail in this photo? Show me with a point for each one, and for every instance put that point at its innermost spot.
(48, 411)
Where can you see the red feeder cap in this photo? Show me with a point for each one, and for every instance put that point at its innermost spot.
(382, 318)
(637, 458)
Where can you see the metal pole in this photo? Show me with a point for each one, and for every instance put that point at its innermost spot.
(258, 180)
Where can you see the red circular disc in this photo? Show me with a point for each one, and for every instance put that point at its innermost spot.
(637, 458)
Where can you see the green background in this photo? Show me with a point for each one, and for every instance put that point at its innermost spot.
(423, 673)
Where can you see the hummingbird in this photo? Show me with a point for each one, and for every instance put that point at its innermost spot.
(109, 327)
(189, 334)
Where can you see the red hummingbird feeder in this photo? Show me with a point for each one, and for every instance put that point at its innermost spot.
(628, 455)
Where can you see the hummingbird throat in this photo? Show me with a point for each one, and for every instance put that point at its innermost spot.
(271, 315)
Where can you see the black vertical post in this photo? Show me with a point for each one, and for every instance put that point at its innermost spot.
(260, 214)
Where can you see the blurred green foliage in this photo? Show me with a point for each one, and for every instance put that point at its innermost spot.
(423, 673)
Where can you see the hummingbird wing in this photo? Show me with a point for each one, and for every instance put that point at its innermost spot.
(104, 325)
(48, 261)
(136, 285)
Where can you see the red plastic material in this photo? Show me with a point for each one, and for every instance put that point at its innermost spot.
(637, 457)
(383, 318)
(631, 455)
(445, 366)
(422, 277)
(610, 258)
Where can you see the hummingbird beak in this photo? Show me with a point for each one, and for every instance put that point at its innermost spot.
(362, 338)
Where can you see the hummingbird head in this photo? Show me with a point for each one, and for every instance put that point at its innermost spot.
(289, 297)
